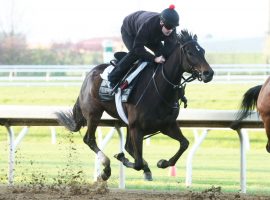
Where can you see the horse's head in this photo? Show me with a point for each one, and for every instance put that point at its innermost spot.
(193, 57)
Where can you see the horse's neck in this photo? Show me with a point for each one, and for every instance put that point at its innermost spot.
(156, 87)
(167, 78)
(172, 69)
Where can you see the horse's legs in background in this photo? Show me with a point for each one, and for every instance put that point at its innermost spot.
(136, 140)
(90, 140)
(129, 148)
(146, 170)
(263, 109)
(174, 132)
(266, 121)
(133, 145)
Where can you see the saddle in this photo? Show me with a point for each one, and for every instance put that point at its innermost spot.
(105, 92)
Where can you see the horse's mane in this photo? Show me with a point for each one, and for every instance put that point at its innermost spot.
(185, 36)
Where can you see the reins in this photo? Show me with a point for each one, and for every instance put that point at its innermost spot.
(160, 96)
(192, 77)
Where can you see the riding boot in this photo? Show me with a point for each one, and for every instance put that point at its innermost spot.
(122, 68)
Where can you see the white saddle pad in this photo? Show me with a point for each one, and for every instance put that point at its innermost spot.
(106, 72)
(118, 101)
(117, 95)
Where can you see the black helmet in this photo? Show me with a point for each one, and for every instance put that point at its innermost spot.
(170, 17)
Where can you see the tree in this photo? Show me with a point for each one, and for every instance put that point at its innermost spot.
(12, 42)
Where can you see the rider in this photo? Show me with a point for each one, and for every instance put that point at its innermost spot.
(146, 29)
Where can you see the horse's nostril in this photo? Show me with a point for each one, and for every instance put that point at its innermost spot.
(206, 73)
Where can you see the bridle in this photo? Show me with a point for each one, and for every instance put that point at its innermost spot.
(181, 85)
(194, 75)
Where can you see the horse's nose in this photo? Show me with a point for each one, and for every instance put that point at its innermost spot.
(208, 75)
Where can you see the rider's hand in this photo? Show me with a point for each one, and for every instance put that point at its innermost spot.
(159, 59)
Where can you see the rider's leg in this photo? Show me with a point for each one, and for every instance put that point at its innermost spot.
(122, 68)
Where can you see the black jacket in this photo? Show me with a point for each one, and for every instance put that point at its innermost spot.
(146, 30)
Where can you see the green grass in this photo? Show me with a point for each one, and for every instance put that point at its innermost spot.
(204, 96)
(216, 163)
(39, 95)
(223, 58)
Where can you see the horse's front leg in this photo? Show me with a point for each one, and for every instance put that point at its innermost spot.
(146, 170)
(174, 132)
(135, 143)
(90, 140)
(136, 140)
(129, 148)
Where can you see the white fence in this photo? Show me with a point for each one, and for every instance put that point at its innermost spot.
(43, 74)
(241, 73)
(27, 116)
(74, 74)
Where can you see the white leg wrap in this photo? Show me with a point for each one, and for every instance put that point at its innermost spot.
(103, 159)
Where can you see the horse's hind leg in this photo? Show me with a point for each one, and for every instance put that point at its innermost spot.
(90, 140)
(174, 132)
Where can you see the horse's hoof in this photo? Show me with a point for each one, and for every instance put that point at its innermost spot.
(105, 175)
(119, 156)
(148, 176)
(163, 164)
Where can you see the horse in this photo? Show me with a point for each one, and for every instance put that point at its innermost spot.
(152, 107)
(259, 97)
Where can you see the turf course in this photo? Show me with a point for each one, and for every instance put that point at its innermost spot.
(216, 163)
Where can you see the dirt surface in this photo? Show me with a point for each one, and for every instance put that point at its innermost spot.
(100, 191)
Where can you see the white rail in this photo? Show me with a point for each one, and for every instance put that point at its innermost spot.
(208, 119)
(21, 75)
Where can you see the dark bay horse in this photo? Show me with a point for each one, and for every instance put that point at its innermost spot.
(153, 106)
(259, 97)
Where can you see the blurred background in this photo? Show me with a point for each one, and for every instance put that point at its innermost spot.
(38, 32)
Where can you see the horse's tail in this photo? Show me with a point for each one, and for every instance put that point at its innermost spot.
(248, 104)
(72, 120)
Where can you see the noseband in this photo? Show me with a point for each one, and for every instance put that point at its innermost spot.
(194, 73)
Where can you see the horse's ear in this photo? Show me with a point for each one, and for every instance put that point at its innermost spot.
(195, 37)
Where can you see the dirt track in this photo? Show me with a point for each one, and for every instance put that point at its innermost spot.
(99, 191)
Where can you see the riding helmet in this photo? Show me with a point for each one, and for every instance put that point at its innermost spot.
(170, 17)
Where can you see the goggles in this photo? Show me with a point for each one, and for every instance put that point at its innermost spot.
(169, 27)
